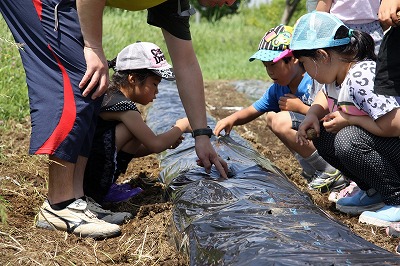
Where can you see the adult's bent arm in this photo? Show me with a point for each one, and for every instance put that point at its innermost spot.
(190, 85)
(96, 77)
(324, 5)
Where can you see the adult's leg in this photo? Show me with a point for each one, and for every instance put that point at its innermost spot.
(79, 172)
(60, 176)
(54, 64)
(51, 90)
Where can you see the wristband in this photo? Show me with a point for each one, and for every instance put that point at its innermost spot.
(202, 131)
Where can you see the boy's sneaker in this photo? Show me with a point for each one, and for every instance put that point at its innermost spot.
(393, 230)
(348, 191)
(382, 217)
(107, 215)
(120, 193)
(75, 219)
(307, 176)
(325, 182)
(362, 201)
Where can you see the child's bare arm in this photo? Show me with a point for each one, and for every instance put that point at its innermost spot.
(143, 134)
(385, 126)
(324, 5)
(238, 118)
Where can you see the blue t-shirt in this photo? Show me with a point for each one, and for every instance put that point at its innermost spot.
(269, 101)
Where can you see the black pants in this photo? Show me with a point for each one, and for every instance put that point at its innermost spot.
(368, 160)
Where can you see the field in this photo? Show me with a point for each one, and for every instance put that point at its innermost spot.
(145, 239)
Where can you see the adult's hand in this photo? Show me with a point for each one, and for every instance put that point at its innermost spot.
(96, 72)
(90, 14)
(208, 156)
(214, 3)
(388, 12)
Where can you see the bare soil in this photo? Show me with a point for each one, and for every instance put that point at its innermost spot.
(145, 239)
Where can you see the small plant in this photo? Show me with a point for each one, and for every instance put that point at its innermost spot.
(13, 92)
(3, 208)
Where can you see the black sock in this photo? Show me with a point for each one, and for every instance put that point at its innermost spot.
(61, 205)
(123, 159)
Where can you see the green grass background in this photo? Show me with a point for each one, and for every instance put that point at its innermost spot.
(222, 48)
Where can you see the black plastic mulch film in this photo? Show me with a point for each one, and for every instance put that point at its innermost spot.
(257, 216)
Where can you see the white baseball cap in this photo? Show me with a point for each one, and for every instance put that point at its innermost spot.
(144, 55)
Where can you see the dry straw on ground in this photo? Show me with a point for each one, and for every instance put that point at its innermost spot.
(145, 239)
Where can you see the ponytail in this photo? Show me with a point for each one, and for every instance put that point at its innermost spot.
(120, 78)
(112, 63)
(361, 46)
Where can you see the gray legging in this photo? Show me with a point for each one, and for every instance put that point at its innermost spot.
(368, 160)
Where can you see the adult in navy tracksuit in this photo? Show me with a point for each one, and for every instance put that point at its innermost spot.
(63, 112)
(67, 73)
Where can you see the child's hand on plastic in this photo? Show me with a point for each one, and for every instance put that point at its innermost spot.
(184, 125)
(224, 124)
(334, 122)
(289, 102)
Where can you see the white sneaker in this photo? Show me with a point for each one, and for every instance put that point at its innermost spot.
(325, 182)
(107, 215)
(75, 219)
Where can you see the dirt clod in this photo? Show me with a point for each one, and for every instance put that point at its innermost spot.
(146, 239)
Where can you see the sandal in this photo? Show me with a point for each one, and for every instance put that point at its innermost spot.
(348, 191)
(393, 230)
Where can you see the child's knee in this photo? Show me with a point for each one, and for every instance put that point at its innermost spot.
(280, 122)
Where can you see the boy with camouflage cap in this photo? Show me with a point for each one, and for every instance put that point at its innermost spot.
(286, 102)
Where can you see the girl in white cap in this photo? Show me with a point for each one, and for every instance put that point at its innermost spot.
(121, 132)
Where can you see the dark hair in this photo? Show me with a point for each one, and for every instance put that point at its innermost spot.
(120, 78)
(361, 46)
(289, 58)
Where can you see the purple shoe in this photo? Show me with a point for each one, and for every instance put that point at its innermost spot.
(123, 186)
(116, 193)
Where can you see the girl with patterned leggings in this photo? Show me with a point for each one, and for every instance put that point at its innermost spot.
(357, 130)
